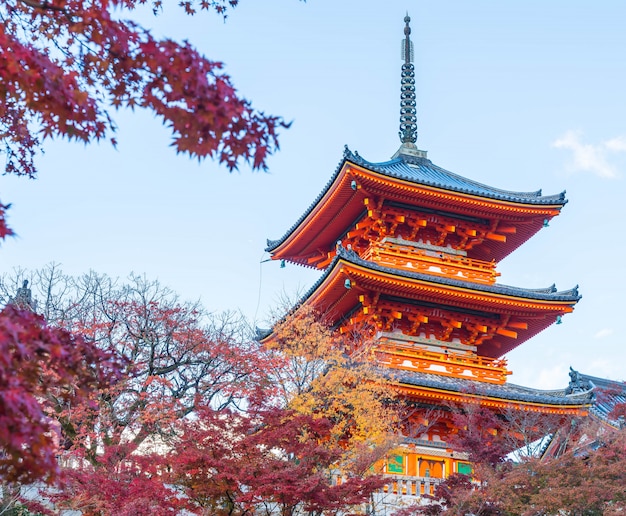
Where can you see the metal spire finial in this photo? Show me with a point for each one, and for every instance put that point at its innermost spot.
(408, 112)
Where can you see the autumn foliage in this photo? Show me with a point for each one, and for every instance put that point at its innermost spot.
(41, 368)
(323, 374)
(481, 435)
(65, 63)
(589, 479)
(279, 462)
(204, 417)
(133, 486)
(586, 478)
(4, 228)
(101, 59)
(174, 356)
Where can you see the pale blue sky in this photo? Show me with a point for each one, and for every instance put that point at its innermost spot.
(518, 95)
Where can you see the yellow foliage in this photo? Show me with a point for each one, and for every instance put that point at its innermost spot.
(322, 374)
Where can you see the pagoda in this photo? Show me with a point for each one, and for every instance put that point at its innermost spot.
(411, 250)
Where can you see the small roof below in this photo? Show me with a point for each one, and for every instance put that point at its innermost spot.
(607, 395)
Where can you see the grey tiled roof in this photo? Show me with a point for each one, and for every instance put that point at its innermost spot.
(545, 294)
(507, 391)
(422, 171)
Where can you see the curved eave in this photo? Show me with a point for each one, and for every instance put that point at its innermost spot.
(320, 225)
(540, 308)
(425, 386)
(339, 205)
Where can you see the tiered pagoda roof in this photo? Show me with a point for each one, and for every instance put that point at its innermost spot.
(509, 218)
(536, 308)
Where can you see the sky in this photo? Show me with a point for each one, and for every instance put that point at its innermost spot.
(517, 95)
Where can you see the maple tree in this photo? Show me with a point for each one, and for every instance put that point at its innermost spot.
(4, 228)
(277, 462)
(64, 64)
(481, 434)
(489, 436)
(324, 374)
(134, 486)
(175, 356)
(172, 356)
(588, 479)
(266, 460)
(40, 366)
(528, 432)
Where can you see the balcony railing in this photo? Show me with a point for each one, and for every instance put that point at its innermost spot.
(399, 355)
(440, 261)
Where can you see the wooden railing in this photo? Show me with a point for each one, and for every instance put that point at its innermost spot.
(441, 262)
(449, 363)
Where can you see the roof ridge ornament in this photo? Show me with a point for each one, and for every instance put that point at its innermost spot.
(408, 111)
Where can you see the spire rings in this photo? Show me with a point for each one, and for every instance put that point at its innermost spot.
(408, 111)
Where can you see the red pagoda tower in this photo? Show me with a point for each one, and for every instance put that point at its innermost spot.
(412, 250)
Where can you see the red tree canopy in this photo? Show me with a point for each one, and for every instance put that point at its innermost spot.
(40, 368)
(274, 458)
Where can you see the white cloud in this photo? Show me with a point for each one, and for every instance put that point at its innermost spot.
(617, 144)
(592, 158)
(604, 332)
